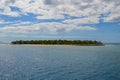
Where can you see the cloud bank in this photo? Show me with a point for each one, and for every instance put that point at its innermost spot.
(52, 9)
(52, 27)
(55, 16)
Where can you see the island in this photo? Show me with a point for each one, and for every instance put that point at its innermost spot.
(59, 42)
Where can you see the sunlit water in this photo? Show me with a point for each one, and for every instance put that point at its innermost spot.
(22, 62)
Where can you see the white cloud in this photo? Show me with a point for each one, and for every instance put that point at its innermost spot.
(90, 10)
(85, 20)
(54, 9)
(53, 27)
(51, 16)
(2, 21)
(19, 23)
(7, 11)
(113, 17)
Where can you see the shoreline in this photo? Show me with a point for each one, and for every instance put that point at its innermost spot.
(55, 45)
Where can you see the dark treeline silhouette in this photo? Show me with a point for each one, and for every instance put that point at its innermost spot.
(58, 42)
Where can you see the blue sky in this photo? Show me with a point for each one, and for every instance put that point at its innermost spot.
(60, 19)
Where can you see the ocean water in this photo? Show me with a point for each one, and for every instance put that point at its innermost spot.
(22, 62)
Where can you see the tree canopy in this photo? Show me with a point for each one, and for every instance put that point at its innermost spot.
(58, 42)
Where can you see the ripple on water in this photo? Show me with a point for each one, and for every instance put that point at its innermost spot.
(59, 63)
(47, 73)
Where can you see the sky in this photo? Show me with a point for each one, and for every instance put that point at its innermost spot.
(60, 19)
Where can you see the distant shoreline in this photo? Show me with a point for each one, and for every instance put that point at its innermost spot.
(51, 45)
(58, 42)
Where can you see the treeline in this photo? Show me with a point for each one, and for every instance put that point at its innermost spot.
(58, 42)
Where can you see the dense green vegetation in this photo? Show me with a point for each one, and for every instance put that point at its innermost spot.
(58, 42)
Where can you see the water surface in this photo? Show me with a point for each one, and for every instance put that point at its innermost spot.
(22, 62)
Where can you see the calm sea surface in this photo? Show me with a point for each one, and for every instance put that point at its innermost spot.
(22, 62)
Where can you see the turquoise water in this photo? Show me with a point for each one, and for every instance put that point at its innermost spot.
(22, 62)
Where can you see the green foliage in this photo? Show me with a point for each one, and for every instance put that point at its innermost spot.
(58, 42)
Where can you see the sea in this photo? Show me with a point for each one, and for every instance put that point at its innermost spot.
(33, 62)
